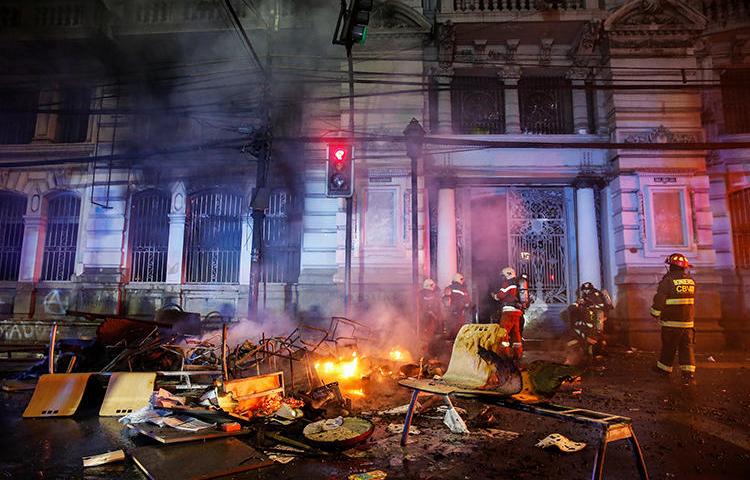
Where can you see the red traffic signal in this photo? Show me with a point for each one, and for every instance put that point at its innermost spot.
(339, 171)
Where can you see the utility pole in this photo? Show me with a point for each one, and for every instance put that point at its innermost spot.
(349, 200)
(261, 149)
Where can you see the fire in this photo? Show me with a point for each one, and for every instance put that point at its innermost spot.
(398, 355)
(347, 371)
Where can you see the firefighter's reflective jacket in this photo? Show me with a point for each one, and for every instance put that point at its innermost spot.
(459, 300)
(508, 296)
(674, 302)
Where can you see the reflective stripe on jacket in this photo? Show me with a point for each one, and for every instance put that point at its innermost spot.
(674, 302)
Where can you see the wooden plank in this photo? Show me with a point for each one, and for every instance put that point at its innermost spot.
(198, 460)
(104, 458)
(168, 435)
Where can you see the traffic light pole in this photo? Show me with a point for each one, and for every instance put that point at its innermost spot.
(349, 200)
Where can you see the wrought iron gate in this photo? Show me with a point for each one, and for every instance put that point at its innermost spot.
(281, 238)
(538, 240)
(60, 242)
(213, 237)
(12, 208)
(149, 236)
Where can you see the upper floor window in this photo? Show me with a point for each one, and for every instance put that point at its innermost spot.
(12, 208)
(735, 99)
(61, 240)
(149, 236)
(477, 105)
(739, 210)
(73, 120)
(546, 105)
(281, 238)
(213, 237)
(17, 116)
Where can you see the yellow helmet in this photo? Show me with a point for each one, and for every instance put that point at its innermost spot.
(459, 278)
(428, 284)
(509, 272)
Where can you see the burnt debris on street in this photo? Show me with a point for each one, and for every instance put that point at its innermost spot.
(374, 239)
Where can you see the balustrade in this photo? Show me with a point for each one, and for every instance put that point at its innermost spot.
(507, 6)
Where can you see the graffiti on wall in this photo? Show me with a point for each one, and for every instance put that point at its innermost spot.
(25, 332)
(55, 303)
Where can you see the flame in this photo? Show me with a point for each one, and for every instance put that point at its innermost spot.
(346, 371)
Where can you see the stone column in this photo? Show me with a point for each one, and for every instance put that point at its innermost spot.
(447, 256)
(176, 235)
(445, 114)
(587, 235)
(580, 107)
(512, 106)
(32, 249)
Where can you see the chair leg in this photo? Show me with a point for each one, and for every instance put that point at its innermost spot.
(596, 474)
(409, 415)
(639, 461)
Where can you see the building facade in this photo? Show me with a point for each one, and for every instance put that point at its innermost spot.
(127, 172)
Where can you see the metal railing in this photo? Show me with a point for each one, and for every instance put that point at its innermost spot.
(478, 6)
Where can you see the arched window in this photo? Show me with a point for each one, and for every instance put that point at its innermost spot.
(149, 236)
(12, 208)
(739, 209)
(63, 210)
(281, 238)
(213, 237)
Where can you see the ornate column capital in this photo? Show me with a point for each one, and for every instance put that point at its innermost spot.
(587, 180)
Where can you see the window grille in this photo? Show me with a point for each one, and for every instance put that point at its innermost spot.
(213, 237)
(281, 238)
(739, 208)
(60, 242)
(149, 236)
(735, 99)
(477, 105)
(546, 105)
(17, 116)
(12, 208)
(73, 122)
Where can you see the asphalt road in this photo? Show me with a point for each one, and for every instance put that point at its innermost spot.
(699, 433)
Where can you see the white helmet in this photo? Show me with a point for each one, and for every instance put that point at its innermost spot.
(428, 284)
(509, 272)
(459, 278)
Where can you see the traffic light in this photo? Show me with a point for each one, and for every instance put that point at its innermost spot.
(355, 20)
(359, 18)
(340, 170)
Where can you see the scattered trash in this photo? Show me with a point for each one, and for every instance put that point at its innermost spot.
(373, 475)
(394, 428)
(189, 424)
(454, 421)
(396, 410)
(165, 399)
(104, 458)
(496, 433)
(563, 443)
(577, 392)
(711, 359)
(145, 414)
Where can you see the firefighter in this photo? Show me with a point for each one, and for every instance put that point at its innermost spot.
(431, 326)
(511, 310)
(674, 306)
(598, 303)
(456, 298)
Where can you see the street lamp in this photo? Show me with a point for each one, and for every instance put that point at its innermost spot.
(414, 137)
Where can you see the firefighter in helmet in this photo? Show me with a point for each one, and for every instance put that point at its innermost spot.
(590, 315)
(511, 311)
(456, 298)
(674, 306)
(431, 317)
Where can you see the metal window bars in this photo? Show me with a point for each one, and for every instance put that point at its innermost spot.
(149, 236)
(58, 260)
(12, 208)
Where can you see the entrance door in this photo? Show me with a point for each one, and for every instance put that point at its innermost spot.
(489, 248)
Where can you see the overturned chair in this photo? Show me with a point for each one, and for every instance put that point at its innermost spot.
(477, 370)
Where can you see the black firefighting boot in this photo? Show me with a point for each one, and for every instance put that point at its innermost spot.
(662, 373)
(688, 379)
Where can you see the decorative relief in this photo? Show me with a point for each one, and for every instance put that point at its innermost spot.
(650, 12)
(446, 44)
(511, 47)
(642, 219)
(661, 134)
(545, 51)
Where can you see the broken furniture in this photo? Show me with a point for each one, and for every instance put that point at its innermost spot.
(173, 435)
(198, 460)
(477, 371)
(57, 395)
(127, 392)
